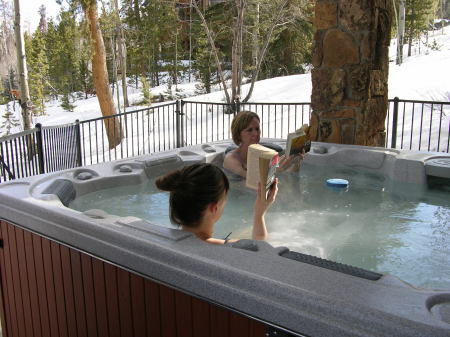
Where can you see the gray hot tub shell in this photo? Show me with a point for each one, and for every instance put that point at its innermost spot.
(258, 282)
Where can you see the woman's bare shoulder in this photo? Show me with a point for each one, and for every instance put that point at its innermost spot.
(232, 163)
(231, 158)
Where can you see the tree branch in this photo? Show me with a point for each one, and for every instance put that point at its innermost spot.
(277, 18)
(214, 50)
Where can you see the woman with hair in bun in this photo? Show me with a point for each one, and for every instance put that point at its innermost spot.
(198, 194)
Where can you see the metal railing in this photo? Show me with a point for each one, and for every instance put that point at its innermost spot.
(142, 131)
(415, 125)
(418, 125)
(206, 122)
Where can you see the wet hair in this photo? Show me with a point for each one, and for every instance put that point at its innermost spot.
(240, 122)
(192, 189)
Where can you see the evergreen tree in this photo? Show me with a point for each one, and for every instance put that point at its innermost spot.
(38, 70)
(204, 64)
(52, 47)
(290, 50)
(43, 19)
(218, 18)
(83, 43)
(418, 15)
(253, 27)
(9, 121)
(3, 98)
(68, 53)
(64, 47)
(85, 74)
(153, 42)
(11, 83)
(66, 104)
(148, 97)
(107, 21)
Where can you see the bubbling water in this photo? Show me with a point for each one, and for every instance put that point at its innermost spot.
(367, 224)
(371, 224)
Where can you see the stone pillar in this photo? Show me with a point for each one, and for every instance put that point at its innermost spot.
(350, 71)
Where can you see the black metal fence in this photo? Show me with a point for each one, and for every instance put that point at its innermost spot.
(415, 125)
(418, 125)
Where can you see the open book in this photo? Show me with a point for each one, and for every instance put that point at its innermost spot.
(298, 140)
(262, 164)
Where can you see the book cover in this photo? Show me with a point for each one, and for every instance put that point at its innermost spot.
(297, 141)
(262, 163)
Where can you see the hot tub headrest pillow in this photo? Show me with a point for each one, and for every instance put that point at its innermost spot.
(272, 146)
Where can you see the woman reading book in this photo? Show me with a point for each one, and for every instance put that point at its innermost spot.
(245, 131)
(198, 194)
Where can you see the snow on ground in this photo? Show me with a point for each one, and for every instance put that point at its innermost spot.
(423, 76)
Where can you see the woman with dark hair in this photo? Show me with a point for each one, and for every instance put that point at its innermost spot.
(245, 131)
(198, 194)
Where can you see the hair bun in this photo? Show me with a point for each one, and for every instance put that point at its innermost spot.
(170, 182)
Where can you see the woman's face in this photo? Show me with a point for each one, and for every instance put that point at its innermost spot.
(251, 134)
(221, 206)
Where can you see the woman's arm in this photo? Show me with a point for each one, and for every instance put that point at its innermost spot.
(219, 241)
(261, 206)
(290, 163)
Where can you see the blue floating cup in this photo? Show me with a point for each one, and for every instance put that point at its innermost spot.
(337, 183)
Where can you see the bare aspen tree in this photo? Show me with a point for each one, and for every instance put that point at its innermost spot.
(400, 31)
(255, 46)
(280, 16)
(122, 55)
(100, 75)
(214, 50)
(114, 67)
(25, 101)
(236, 54)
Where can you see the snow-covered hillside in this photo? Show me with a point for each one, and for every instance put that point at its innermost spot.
(423, 76)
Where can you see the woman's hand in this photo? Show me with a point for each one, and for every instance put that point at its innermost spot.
(290, 163)
(261, 206)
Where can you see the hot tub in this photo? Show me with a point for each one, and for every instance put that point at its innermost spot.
(65, 272)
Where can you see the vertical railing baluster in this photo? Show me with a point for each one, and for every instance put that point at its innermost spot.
(182, 130)
(412, 126)
(8, 160)
(178, 123)
(431, 123)
(439, 130)
(40, 150)
(421, 128)
(90, 142)
(78, 143)
(448, 137)
(403, 123)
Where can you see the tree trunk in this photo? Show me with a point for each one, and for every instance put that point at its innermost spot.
(400, 31)
(239, 51)
(214, 51)
(255, 49)
(122, 57)
(234, 77)
(262, 52)
(100, 77)
(114, 67)
(25, 101)
(411, 31)
(236, 58)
